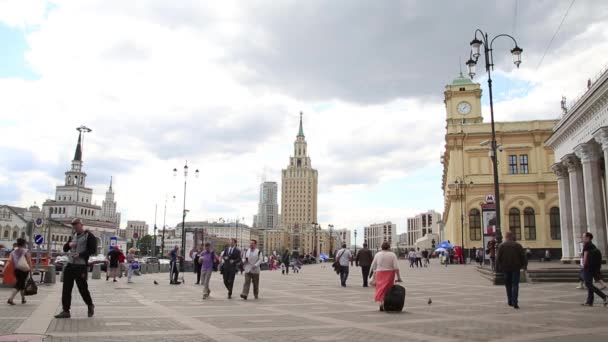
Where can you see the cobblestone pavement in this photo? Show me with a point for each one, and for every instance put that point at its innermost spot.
(310, 306)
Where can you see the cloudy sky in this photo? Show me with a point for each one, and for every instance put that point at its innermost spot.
(221, 86)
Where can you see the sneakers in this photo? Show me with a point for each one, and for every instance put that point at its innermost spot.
(91, 310)
(244, 297)
(63, 314)
(10, 302)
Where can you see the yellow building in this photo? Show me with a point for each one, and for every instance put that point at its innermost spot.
(528, 186)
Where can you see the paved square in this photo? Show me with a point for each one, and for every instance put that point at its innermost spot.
(311, 306)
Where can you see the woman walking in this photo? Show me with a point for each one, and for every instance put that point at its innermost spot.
(22, 264)
(130, 264)
(385, 267)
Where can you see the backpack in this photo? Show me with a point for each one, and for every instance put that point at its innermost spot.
(595, 259)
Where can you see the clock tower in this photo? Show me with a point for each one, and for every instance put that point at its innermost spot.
(462, 100)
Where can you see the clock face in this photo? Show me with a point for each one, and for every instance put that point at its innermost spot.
(464, 108)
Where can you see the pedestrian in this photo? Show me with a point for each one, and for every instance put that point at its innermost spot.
(285, 262)
(197, 264)
(479, 256)
(411, 255)
(425, 256)
(173, 266)
(130, 264)
(492, 252)
(121, 261)
(112, 263)
(81, 245)
(343, 257)
(231, 261)
(385, 267)
(253, 259)
(547, 255)
(510, 260)
(21, 260)
(364, 259)
(592, 263)
(418, 257)
(208, 262)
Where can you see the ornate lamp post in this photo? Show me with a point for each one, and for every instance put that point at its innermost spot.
(196, 173)
(355, 241)
(487, 43)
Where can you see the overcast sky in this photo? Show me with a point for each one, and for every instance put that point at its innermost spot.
(221, 86)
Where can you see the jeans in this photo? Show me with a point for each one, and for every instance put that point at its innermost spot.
(174, 274)
(129, 272)
(365, 274)
(205, 277)
(249, 278)
(75, 273)
(197, 270)
(512, 286)
(591, 289)
(343, 275)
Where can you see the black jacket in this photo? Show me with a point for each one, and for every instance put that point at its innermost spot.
(231, 261)
(91, 246)
(364, 257)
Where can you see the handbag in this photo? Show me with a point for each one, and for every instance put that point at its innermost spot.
(30, 287)
(336, 264)
(22, 264)
(372, 281)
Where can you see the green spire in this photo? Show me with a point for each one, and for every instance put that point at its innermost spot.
(301, 131)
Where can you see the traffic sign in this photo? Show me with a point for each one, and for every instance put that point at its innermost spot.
(38, 239)
(38, 222)
(490, 199)
(135, 236)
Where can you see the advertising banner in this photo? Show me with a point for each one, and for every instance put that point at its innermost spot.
(189, 245)
(488, 216)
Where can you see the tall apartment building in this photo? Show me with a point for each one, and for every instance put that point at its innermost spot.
(299, 184)
(108, 207)
(421, 225)
(343, 236)
(375, 234)
(268, 207)
(139, 227)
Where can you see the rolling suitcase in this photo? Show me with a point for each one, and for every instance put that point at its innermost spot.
(394, 300)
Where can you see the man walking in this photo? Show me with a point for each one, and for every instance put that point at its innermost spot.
(207, 260)
(253, 259)
(82, 245)
(231, 260)
(343, 256)
(418, 258)
(174, 270)
(364, 259)
(592, 263)
(510, 259)
(492, 252)
(196, 262)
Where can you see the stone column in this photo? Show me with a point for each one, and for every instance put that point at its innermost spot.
(594, 202)
(577, 200)
(602, 137)
(565, 212)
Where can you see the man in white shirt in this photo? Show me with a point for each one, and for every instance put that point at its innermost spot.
(252, 260)
(343, 257)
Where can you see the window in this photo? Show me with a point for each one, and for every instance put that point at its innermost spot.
(6, 234)
(515, 223)
(554, 224)
(15, 235)
(512, 164)
(424, 220)
(475, 225)
(529, 224)
(523, 164)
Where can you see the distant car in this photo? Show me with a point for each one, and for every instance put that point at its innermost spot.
(97, 259)
(60, 262)
(164, 261)
(150, 260)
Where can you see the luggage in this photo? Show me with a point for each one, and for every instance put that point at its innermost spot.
(394, 299)
(31, 288)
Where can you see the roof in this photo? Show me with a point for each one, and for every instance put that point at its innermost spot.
(461, 80)
(301, 131)
(78, 153)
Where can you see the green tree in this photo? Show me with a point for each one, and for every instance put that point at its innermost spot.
(145, 245)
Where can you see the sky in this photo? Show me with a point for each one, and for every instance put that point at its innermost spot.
(221, 85)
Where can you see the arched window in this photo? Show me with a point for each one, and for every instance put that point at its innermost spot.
(554, 224)
(15, 235)
(515, 223)
(529, 224)
(475, 225)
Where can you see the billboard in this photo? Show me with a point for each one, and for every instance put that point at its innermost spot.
(488, 216)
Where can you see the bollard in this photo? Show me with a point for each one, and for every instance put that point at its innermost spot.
(96, 272)
(165, 268)
(144, 268)
(49, 276)
(156, 268)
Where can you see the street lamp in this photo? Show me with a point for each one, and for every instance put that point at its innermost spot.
(331, 236)
(355, 241)
(196, 173)
(516, 52)
(461, 193)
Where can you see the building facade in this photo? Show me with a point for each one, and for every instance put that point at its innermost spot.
(299, 184)
(136, 227)
(74, 199)
(342, 236)
(421, 225)
(108, 207)
(268, 207)
(375, 234)
(580, 142)
(528, 187)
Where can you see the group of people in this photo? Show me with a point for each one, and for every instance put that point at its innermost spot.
(416, 257)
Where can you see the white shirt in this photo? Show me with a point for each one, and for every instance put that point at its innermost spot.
(253, 259)
(345, 256)
(385, 261)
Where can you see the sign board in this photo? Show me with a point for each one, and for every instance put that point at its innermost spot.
(135, 236)
(488, 215)
(39, 239)
(38, 222)
(490, 199)
(189, 245)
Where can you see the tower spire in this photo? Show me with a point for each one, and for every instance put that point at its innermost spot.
(78, 153)
(110, 183)
(301, 131)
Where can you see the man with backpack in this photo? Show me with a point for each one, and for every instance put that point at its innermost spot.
(592, 263)
(253, 259)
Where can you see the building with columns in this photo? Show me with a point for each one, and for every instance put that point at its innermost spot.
(528, 187)
(580, 142)
(299, 184)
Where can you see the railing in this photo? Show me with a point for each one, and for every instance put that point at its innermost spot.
(593, 80)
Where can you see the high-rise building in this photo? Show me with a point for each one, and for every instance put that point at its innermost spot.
(108, 207)
(375, 234)
(299, 192)
(133, 227)
(268, 207)
(421, 225)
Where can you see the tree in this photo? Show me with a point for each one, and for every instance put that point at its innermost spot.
(145, 245)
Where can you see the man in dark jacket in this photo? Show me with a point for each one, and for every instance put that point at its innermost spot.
(231, 262)
(592, 263)
(82, 245)
(364, 259)
(511, 258)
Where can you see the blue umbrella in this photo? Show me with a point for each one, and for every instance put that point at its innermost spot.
(323, 256)
(445, 245)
